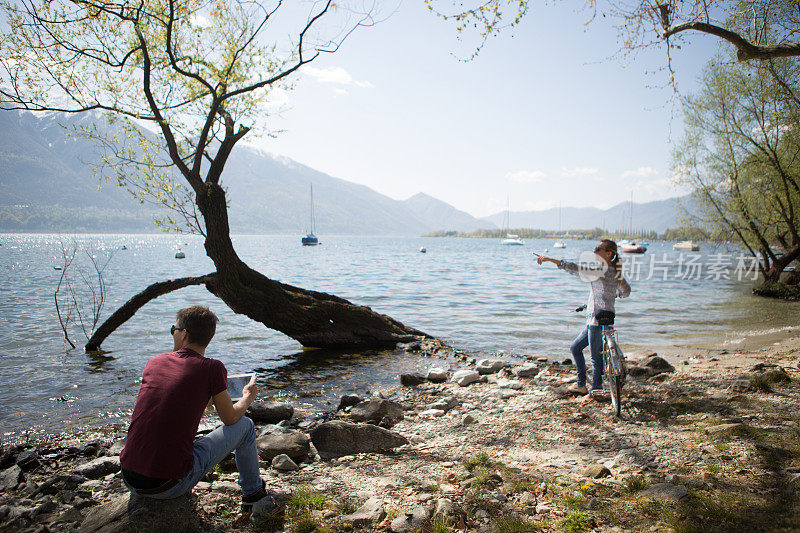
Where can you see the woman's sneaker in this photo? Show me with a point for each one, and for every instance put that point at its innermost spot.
(599, 394)
(577, 390)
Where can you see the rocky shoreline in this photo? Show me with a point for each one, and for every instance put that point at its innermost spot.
(708, 441)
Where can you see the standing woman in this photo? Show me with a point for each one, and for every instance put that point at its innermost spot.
(606, 283)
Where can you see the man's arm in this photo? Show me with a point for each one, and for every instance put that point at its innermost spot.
(230, 412)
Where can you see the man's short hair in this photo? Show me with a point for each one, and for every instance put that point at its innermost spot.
(199, 322)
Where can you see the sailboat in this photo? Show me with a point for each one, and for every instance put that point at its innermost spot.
(310, 239)
(510, 239)
(559, 243)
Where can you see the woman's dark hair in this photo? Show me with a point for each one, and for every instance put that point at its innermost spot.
(611, 246)
(199, 322)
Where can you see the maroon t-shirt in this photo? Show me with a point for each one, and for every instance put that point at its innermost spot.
(175, 390)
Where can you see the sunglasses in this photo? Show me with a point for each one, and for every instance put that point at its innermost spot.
(173, 329)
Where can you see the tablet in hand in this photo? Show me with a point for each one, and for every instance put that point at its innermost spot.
(236, 383)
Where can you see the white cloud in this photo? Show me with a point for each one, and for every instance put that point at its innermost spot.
(641, 172)
(578, 171)
(526, 176)
(339, 90)
(651, 188)
(336, 75)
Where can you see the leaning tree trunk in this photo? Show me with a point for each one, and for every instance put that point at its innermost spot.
(312, 318)
(315, 319)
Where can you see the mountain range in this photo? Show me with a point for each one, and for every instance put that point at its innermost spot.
(47, 184)
(656, 216)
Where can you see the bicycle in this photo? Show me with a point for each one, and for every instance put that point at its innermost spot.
(614, 368)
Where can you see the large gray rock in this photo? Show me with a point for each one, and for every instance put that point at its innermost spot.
(10, 478)
(465, 377)
(489, 366)
(117, 447)
(528, 370)
(445, 404)
(657, 365)
(665, 491)
(283, 463)
(338, 438)
(437, 375)
(100, 467)
(596, 471)
(275, 440)
(410, 522)
(375, 410)
(411, 379)
(128, 512)
(29, 460)
(349, 400)
(371, 512)
(635, 371)
(269, 412)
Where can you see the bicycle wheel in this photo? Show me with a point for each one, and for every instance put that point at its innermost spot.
(615, 384)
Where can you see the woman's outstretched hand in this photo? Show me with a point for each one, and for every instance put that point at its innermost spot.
(541, 259)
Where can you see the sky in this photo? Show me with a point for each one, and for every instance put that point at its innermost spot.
(543, 116)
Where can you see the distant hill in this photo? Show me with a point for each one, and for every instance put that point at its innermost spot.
(47, 185)
(656, 216)
(440, 215)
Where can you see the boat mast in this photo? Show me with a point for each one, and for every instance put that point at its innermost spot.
(311, 186)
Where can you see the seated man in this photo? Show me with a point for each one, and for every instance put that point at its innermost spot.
(161, 459)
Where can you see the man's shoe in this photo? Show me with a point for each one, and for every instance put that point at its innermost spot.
(249, 501)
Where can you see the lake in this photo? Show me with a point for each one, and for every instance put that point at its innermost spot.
(479, 296)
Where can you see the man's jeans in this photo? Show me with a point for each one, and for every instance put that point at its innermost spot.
(592, 337)
(211, 449)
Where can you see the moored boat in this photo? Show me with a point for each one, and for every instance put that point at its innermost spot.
(633, 248)
(686, 245)
(310, 239)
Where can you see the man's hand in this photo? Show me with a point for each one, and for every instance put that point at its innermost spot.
(230, 412)
(249, 391)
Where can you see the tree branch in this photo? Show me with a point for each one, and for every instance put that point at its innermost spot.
(124, 313)
(745, 50)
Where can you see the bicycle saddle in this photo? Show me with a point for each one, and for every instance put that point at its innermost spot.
(605, 318)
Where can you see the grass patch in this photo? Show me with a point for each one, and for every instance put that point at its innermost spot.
(305, 524)
(440, 524)
(270, 522)
(480, 477)
(481, 459)
(702, 513)
(515, 524)
(346, 505)
(576, 502)
(518, 486)
(304, 499)
(635, 484)
(650, 507)
(576, 522)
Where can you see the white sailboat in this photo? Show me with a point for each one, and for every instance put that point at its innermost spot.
(310, 239)
(510, 238)
(559, 243)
